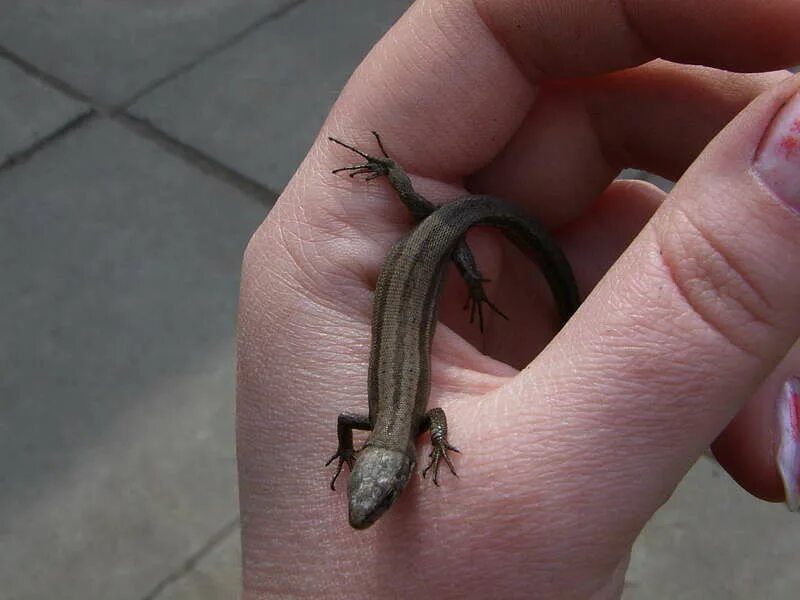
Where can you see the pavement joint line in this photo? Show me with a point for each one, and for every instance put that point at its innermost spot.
(51, 80)
(23, 156)
(218, 48)
(142, 127)
(197, 158)
(190, 563)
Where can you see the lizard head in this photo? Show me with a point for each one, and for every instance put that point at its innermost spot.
(377, 479)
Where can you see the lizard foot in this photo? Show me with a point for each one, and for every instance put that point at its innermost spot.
(376, 166)
(345, 455)
(476, 298)
(438, 452)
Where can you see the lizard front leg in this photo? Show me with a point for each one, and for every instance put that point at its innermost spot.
(345, 452)
(435, 421)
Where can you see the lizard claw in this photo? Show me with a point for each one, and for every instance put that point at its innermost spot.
(375, 166)
(345, 456)
(438, 452)
(476, 298)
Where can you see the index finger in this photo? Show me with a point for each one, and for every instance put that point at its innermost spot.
(454, 79)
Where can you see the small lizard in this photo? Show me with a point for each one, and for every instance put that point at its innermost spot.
(403, 323)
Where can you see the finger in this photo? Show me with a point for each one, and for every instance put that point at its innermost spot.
(688, 323)
(434, 84)
(575, 37)
(748, 446)
(656, 117)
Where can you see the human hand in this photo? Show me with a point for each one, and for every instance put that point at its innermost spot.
(565, 461)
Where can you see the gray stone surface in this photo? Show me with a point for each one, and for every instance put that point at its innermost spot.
(29, 110)
(664, 184)
(216, 576)
(120, 270)
(257, 106)
(110, 50)
(713, 541)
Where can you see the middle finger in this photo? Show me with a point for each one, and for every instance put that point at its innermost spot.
(579, 135)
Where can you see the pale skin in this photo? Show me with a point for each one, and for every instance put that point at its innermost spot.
(683, 340)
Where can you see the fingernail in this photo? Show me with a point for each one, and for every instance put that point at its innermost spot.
(789, 451)
(778, 159)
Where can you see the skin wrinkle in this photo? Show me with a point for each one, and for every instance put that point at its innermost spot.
(551, 61)
(460, 354)
(315, 311)
(485, 18)
(467, 67)
(634, 27)
(441, 21)
(292, 277)
(604, 414)
(762, 307)
(581, 549)
(707, 309)
(318, 290)
(316, 282)
(647, 312)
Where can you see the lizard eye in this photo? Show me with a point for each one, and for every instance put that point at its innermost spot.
(388, 500)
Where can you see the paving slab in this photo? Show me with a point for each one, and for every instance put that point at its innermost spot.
(30, 111)
(713, 541)
(110, 50)
(217, 575)
(257, 106)
(120, 271)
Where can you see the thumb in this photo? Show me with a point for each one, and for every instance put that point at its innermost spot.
(684, 328)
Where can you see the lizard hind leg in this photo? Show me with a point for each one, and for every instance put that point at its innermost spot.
(376, 166)
(436, 421)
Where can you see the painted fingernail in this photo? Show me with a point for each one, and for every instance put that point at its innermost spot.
(778, 159)
(789, 451)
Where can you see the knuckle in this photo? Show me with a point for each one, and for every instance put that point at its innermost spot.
(713, 281)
